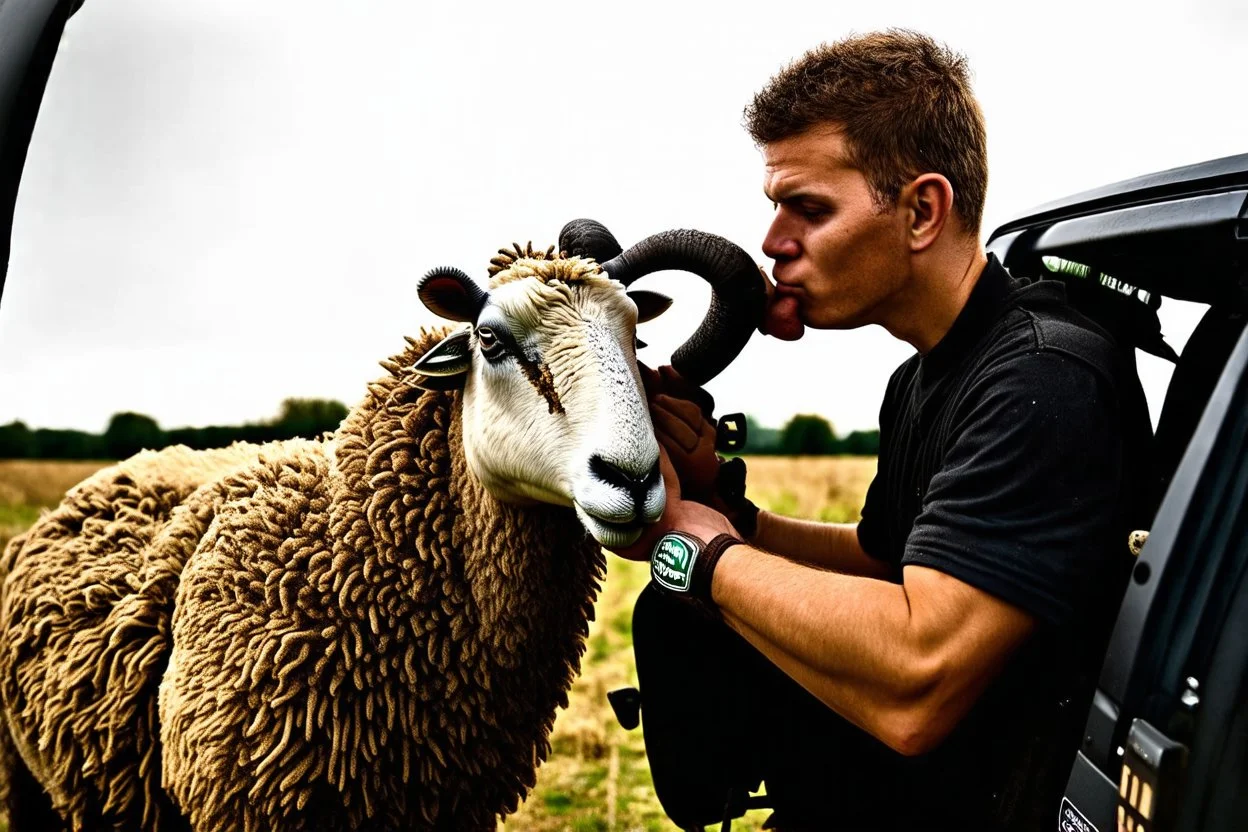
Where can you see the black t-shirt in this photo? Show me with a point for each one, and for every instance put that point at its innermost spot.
(1010, 456)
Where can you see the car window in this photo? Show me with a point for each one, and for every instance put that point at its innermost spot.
(1178, 319)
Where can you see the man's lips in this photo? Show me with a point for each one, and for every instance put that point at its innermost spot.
(782, 273)
(783, 319)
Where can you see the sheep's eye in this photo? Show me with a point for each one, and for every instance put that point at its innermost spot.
(491, 347)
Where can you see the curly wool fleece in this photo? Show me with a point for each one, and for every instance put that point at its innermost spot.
(345, 635)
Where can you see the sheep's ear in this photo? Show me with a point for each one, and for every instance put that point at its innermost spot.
(446, 365)
(650, 305)
(452, 294)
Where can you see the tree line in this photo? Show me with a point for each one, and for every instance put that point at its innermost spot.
(129, 433)
(808, 435)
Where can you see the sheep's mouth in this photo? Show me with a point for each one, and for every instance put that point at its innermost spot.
(613, 534)
(631, 527)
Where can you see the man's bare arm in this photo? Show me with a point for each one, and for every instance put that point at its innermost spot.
(826, 545)
(904, 662)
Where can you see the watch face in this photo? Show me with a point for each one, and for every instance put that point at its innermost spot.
(671, 562)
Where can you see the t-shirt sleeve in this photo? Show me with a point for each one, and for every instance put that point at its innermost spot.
(1024, 505)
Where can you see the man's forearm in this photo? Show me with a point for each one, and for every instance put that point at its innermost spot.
(886, 720)
(904, 664)
(826, 545)
(840, 636)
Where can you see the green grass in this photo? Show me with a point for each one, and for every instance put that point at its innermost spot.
(21, 516)
(622, 623)
(16, 519)
(838, 513)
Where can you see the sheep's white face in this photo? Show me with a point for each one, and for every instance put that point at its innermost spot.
(553, 408)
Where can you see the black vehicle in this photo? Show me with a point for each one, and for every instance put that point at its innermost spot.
(1166, 744)
(30, 32)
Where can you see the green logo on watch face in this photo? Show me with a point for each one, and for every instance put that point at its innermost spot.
(671, 562)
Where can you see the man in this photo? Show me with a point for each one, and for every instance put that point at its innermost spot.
(930, 666)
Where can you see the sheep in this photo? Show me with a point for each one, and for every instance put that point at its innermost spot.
(372, 630)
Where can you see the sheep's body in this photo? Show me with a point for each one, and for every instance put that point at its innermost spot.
(84, 633)
(348, 634)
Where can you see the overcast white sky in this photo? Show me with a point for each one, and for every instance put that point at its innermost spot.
(228, 202)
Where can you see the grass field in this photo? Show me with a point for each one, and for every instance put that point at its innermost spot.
(26, 487)
(597, 777)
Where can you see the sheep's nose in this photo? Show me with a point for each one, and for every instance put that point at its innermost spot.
(634, 484)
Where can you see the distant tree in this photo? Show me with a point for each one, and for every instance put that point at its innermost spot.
(16, 441)
(861, 443)
(190, 437)
(67, 444)
(760, 440)
(129, 433)
(806, 435)
(309, 417)
(218, 436)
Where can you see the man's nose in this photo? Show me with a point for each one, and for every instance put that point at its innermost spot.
(779, 244)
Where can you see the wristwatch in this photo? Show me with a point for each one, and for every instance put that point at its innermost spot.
(683, 566)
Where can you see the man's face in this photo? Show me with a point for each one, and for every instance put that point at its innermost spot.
(840, 262)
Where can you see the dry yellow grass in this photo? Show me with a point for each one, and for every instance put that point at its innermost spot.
(29, 486)
(829, 488)
(597, 777)
(41, 482)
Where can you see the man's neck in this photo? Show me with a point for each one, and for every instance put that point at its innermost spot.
(939, 290)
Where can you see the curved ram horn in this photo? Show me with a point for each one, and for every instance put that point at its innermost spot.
(588, 238)
(738, 294)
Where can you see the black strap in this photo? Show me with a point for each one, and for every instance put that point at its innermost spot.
(704, 569)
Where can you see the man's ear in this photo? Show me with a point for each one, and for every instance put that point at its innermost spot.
(650, 305)
(446, 365)
(452, 294)
(929, 199)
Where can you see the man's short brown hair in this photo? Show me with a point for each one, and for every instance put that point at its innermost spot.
(904, 103)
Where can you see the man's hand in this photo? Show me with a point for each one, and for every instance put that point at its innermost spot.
(665, 381)
(689, 439)
(680, 515)
(682, 413)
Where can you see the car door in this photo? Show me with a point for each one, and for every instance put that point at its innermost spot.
(1162, 726)
(30, 31)
(1164, 744)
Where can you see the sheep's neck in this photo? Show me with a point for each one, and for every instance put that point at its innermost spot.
(532, 570)
(485, 580)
